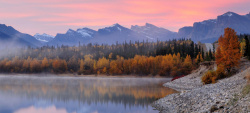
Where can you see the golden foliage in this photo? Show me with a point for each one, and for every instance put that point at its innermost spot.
(209, 77)
(45, 63)
(167, 65)
(229, 52)
(199, 58)
(59, 66)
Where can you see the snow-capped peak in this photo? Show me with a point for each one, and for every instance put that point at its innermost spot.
(44, 34)
(114, 27)
(43, 37)
(85, 33)
(229, 14)
(208, 21)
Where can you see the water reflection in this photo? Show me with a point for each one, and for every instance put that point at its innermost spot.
(23, 94)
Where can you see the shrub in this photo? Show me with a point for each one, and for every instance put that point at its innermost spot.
(209, 77)
(220, 72)
(213, 76)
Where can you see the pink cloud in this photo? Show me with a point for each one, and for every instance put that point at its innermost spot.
(15, 15)
(81, 13)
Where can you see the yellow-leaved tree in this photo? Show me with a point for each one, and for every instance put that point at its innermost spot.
(187, 65)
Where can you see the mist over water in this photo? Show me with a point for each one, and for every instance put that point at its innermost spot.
(24, 94)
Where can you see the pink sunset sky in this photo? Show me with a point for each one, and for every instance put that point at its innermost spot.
(57, 16)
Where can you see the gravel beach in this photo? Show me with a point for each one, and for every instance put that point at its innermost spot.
(223, 96)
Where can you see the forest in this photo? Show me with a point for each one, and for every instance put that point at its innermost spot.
(231, 48)
(165, 58)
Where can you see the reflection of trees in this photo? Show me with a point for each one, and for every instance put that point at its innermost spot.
(88, 91)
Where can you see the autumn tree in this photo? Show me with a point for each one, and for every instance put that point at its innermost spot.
(73, 64)
(166, 65)
(45, 64)
(199, 58)
(89, 63)
(35, 66)
(242, 47)
(102, 65)
(26, 65)
(228, 53)
(82, 68)
(114, 68)
(187, 65)
(59, 66)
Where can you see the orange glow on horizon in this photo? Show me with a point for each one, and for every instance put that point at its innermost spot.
(45, 16)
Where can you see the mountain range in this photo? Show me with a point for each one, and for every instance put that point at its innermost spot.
(113, 34)
(206, 31)
(9, 37)
(210, 30)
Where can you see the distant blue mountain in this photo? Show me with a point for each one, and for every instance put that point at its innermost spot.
(13, 38)
(154, 33)
(113, 34)
(210, 30)
(73, 38)
(206, 31)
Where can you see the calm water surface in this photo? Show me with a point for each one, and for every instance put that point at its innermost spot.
(25, 94)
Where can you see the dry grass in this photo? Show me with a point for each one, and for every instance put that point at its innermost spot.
(248, 77)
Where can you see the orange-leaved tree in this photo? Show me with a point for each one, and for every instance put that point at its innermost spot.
(228, 52)
(187, 65)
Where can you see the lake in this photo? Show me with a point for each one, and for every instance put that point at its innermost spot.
(55, 94)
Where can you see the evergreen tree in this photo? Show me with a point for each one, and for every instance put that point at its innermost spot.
(210, 55)
(191, 52)
(247, 48)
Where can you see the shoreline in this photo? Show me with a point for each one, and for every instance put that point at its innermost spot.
(80, 76)
(196, 97)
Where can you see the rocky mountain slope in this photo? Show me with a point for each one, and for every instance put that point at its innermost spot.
(210, 30)
(153, 32)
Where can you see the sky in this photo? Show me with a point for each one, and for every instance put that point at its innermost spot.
(57, 16)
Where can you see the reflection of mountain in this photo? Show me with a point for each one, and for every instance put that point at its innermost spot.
(129, 92)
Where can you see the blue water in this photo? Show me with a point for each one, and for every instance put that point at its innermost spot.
(26, 94)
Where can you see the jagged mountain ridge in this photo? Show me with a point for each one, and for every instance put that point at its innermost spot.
(111, 35)
(153, 32)
(210, 30)
(206, 31)
(72, 38)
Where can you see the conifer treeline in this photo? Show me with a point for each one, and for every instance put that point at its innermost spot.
(245, 45)
(174, 57)
(126, 50)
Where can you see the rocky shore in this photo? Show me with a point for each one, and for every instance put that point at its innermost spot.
(224, 96)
